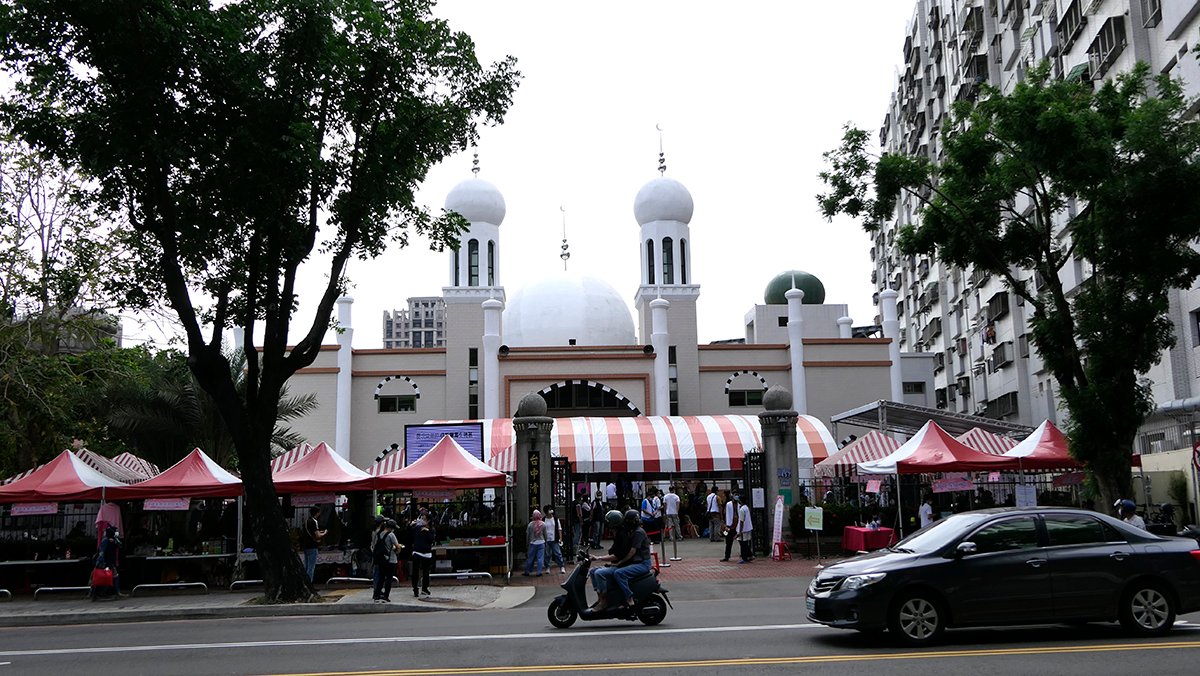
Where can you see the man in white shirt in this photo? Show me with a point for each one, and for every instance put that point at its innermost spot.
(745, 528)
(671, 505)
(714, 516)
(926, 512)
(731, 520)
(1129, 513)
(610, 494)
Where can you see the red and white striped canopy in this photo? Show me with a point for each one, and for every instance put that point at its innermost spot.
(391, 462)
(871, 446)
(109, 468)
(140, 465)
(289, 458)
(987, 442)
(673, 444)
(17, 477)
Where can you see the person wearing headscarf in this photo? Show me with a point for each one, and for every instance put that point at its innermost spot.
(535, 535)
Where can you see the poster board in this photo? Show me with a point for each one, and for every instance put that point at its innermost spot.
(814, 518)
(1026, 495)
(418, 439)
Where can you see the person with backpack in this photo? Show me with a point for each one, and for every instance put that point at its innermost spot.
(422, 556)
(598, 512)
(384, 557)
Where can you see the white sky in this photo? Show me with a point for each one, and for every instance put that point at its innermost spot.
(748, 100)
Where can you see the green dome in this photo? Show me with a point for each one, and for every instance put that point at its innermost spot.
(814, 290)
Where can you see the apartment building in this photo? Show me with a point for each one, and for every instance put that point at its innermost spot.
(421, 325)
(977, 330)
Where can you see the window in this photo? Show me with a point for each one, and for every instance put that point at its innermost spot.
(914, 388)
(683, 261)
(1195, 314)
(1151, 13)
(491, 263)
(1071, 529)
(668, 261)
(397, 403)
(650, 262)
(745, 397)
(457, 282)
(473, 263)
(1109, 43)
(416, 339)
(1070, 25)
(1006, 536)
(783, 321)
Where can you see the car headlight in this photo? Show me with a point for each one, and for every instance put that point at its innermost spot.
(860, 581)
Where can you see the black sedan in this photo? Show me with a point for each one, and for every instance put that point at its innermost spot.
(1012, 566)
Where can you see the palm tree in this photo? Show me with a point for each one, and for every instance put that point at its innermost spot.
(171, 414)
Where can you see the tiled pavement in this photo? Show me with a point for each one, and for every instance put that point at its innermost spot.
(701, 562)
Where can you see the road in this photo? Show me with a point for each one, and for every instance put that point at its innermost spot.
(747, 626)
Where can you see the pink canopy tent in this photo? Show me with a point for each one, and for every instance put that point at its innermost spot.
(932, 449)
(132, 462)
(196, 476)
(64, 478)
(871, 446)
(1045, 449)
(289, 458)
(446, 465)
(987, 442)
(322, 470)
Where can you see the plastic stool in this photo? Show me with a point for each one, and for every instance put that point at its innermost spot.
(654, 564)
(781, 552)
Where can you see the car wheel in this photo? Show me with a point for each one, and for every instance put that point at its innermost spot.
(657, 608)
(1147, 610)
(917, 619)
(561, 614)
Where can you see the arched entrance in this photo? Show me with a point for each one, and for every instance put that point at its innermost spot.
(571, 398)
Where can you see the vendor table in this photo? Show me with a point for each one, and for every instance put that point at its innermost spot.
(449, 552)
(25, 575)
(856, 539)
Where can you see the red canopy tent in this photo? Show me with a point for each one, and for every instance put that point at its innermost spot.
(63, 478)
(932, 449)
(319, 471)
(196, 476)
(446, 465)
(1045, 449)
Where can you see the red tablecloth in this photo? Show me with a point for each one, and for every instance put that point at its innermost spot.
(856, 539)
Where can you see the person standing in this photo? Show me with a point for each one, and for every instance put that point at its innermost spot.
(583, 522)
(731, 520)
(535, 535)
(926, 511)
(310, 539)
(745, 530)
(422, 556)
(671, 507)
(610, 495)
(106, 557)
(598, 512)
(554, 532)
(714, 516)
(384, 554)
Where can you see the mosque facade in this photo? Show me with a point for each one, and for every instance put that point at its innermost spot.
(573, 339)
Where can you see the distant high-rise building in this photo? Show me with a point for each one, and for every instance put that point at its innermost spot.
(421, 325)
(977, 330)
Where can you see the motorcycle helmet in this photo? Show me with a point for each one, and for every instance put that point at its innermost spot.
(1127, 506)
(613, 518)
(632, 518)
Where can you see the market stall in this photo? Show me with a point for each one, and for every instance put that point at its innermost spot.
(449, 467)
(1045, 449)
(986, 442)
(871, 446)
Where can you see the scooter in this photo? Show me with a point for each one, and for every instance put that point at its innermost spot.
(650, 607)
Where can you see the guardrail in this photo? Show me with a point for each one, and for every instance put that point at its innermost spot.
(461, 576)
(150, 586)
(238, 584)
(54, 590)
(5, 594)
(357, 580)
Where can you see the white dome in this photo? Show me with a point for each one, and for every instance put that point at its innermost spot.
(477, 200)
(552, 311)
(663, 199)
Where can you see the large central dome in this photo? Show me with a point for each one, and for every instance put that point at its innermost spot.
(566, 306)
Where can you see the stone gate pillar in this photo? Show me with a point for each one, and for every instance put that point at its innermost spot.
(778, 423)
(531, 435)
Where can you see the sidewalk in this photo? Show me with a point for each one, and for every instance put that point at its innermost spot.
(25, 612)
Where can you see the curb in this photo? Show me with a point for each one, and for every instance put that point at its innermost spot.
(289, 610)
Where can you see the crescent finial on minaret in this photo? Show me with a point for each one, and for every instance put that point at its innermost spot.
(565, 253)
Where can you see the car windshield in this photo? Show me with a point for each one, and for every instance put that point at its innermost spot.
(939, 533)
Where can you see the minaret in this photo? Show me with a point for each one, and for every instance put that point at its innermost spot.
(663, 208)
(795, 327)
(345, 378)
(471, 297)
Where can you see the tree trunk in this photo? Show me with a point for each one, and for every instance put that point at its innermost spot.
(282, 571)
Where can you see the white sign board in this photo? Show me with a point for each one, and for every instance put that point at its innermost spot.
(167, 504)
(34, 509)
(1027, 496)
(311, 499)
(758, 498)
(777, 531)
(814, 518)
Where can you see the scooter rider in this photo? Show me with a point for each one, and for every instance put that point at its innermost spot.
(636, 560)
(602, 577)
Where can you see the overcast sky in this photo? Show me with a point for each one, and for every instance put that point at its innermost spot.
(748, 95)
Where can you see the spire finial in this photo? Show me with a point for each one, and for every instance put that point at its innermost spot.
(662, 156)
(475, 164)
(565, 253)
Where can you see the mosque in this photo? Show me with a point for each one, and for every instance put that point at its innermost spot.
(573, 339)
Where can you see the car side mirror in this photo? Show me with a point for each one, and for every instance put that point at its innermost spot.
(965, 549)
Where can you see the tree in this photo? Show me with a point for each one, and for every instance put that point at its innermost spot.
(1051, 173)
(167, 414)
(242, 141)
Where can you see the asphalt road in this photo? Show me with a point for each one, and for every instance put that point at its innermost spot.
(714, 628)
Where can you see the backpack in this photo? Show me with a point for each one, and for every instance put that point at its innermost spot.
(380, 553)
